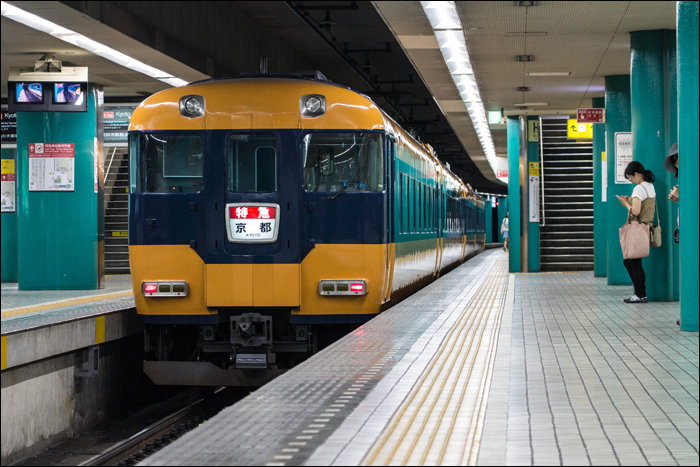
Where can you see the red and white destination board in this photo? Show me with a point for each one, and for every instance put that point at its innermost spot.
(252, 223)
(590, 115)
(502, 174)
(51, 166)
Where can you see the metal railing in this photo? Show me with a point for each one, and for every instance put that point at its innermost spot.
(542, 219)
(110, 164)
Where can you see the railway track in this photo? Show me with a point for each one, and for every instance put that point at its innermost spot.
(161, 433)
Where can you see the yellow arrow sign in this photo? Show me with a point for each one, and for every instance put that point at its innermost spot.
(577, 130)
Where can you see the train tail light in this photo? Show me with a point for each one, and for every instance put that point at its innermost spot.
(342, 287)
(165, 289)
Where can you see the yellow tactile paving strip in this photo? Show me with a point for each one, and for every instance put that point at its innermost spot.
(63, 303)
(440, 421)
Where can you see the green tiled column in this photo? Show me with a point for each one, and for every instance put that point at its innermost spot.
(600, 209)
(533, 228)
(513, 135)
(650, 100)
(488, 216)
(671, 120)
(61, 233)
(502, 208)
(618, 119)
(687, 49)
(8, 237)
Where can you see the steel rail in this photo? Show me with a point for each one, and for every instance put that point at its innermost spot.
(138, 441)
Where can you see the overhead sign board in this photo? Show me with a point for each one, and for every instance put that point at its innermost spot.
(577, 130)
(590, 115)
(116, 124)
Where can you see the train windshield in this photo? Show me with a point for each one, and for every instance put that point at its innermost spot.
(252, 163)
(352, 161)
(167, 163)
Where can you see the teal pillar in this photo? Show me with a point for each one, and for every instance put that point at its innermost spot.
(650, 99)
(687, 51)
(8, 237)
(61, 233)
(501, 210)
(533, 228)
(488, 218)
(671, 120)
(514, 164)
(618, 119)
(600, 210)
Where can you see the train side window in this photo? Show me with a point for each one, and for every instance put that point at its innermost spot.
(252, 163)
(401, 214)
(167, 163)
(353, 162)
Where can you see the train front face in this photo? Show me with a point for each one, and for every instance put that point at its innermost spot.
(258, 212)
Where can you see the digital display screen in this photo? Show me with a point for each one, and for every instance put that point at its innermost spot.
(29, 93)
(68, 93)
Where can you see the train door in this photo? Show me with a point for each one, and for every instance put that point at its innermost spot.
(389, 180)
(252, 218)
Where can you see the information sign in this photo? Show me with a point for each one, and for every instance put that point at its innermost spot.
(9, 127)
(8, 185)
(604, 173)
(116, 124)
(534, 169)
(534, 198)
(502, 174)
(533, 130)
(577, 130)
(590, 115)
(623, 156)
(51, 166)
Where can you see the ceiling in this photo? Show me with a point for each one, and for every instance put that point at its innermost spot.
(588, 39)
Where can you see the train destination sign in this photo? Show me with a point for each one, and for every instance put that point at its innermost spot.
(590, 115)
(252, 223)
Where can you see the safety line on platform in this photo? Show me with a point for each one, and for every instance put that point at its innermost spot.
(403, 441)
(64, 303)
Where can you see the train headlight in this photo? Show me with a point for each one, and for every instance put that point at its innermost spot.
(192, 106)
(312, 105)
(165, 289)
(343, 287)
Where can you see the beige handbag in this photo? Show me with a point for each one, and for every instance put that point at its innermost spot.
(634, 239)
(654, 230)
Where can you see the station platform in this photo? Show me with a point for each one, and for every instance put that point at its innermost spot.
(480, 367)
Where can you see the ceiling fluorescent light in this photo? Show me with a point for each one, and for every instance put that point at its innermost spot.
(447, 27)
(72, 37)
(528, 104)
(550, 73)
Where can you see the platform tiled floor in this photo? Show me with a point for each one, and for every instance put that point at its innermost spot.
(586, 379)
(25, 309)
(580, 378)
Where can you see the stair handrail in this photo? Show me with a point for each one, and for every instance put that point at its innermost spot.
(110, 164)
(542, 219)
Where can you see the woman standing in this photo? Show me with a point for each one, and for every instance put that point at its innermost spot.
(504, 232)
(640, 207)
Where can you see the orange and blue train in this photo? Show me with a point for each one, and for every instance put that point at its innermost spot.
(266, 211)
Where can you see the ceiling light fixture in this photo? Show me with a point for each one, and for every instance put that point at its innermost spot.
(523, 89)
(550, 73)
(59, 32)
(528, 104)
(523, 58)
(444, 19)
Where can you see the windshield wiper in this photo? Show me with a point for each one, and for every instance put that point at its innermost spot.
(343, 188)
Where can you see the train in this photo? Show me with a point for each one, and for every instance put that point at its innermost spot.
(267, 211)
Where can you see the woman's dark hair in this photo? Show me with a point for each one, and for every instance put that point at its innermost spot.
(635, 167)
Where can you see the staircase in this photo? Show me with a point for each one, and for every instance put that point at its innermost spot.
(117, 212)
(566, 239)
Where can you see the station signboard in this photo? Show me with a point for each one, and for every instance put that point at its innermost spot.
(51, 166)
(590, 115)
